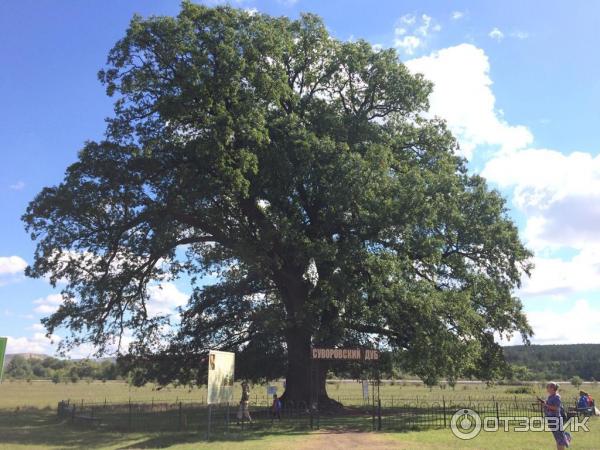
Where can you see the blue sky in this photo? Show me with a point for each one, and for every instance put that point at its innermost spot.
(517, 82)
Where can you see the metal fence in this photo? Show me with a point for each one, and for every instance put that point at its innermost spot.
(390, 414)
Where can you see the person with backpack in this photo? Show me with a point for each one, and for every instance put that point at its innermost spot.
(583, 401)
(555, 416)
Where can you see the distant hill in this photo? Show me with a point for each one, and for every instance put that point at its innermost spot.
(557, 362)
(9, 356)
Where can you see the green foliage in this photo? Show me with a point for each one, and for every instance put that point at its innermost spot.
(259, 149)
(529, 390)
(21, 368)
(554, 362)
(576, 381)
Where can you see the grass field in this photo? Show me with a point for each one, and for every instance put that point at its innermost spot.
(42, 394)
(28, 421)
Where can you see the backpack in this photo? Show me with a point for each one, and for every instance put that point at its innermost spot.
(563, 414)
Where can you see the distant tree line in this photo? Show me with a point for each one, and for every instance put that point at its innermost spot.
(61, 370)
(578, 363)
(554, 362)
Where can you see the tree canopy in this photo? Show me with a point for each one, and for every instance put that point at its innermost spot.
(301, 172)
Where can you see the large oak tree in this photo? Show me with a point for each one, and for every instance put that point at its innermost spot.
(301, 173)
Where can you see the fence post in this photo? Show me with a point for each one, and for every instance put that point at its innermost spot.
(227, 419)
(497, 413)
(129, 416)
(243, 416)
(379, 414)
(373, 411)
(210, 418)
(318, 418)
(179, 416)
(444, 408)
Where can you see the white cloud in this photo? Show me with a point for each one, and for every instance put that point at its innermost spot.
(11, 265)
(580, 324)
(496, 34)
(519, 35)
(557, 278)
(408, 19)
(541, 176)
(462, 95)
(408, 44)
(164, 298)
(559, 194)
(37, 343)
(457, 15)
(11, 269)
(18, 186)
(48, 304)
(37, 327)
(411, 32)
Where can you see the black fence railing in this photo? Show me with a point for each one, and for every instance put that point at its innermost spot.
(214, 420)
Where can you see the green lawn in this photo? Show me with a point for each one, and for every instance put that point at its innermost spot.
(40, 429)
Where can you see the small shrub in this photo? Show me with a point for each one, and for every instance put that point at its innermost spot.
(529, 390)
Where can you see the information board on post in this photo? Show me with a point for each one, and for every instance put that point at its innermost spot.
(221, 369)
(3, 341)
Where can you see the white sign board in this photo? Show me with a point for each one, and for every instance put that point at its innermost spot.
(221, 368)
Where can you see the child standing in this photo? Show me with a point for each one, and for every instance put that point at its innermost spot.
(554, 414)
(276, 407)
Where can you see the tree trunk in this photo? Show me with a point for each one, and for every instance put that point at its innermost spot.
(304, 386)
(298, 376)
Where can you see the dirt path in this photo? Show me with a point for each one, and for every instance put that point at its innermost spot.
(331, 440)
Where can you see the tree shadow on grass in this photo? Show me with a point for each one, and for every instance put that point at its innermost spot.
(41, 427)
(165, 440)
